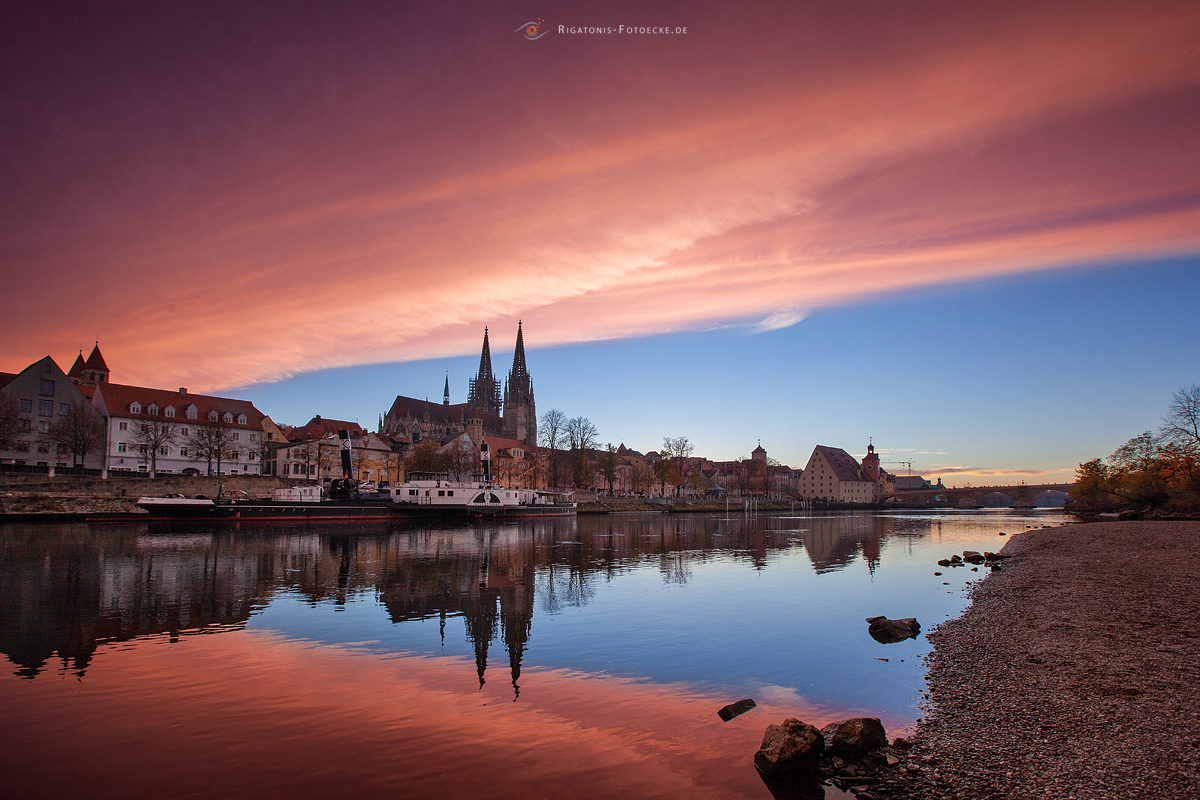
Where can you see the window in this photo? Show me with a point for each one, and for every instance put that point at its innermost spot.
(441, 493)
(169, 412)
(143, 449)
(228, 418)
(191, 412)
(21, 446)
(135, 407)
(235, 436)
(122, 447)
(254, 437)
(45, 408)
(164, 451)
(241, 419)
(183, 452)
(122, 426)
(43, 447)
(62, 450)
(212, 416)
(63, 408)
(145, 428)
(43, 426)
(26, 406)
(46, 388)
(152, 410)
(23, 425)
(183, 431)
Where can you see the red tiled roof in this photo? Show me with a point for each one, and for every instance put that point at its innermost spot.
(844, 466)
(117, 399)
(95, 360)
(319, 427)
(497, 443)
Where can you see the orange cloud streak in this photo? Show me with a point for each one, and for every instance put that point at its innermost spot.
(1010, 141)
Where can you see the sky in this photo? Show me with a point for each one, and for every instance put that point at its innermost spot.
(968, 231)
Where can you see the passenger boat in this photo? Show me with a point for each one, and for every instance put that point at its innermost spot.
(436, 490)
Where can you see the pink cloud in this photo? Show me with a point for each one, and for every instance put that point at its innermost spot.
(339, 207)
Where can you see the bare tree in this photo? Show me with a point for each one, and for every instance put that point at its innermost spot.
(581, 436)
(551, 434)
(425, 458)
(80, 431)
(10, 421)
(1182, 423)
(608, 464)
(211, 444)
(461, 458)
(151, 437)
(680, 449)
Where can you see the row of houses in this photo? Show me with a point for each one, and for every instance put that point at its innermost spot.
(81, 419)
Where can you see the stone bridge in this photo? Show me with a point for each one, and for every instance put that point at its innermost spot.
(1020, 496)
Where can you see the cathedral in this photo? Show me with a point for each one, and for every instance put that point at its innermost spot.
(510, 414)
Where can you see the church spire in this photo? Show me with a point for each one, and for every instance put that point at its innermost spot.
(485, 390)
(520, 373)
(446, 391)
(485, 358)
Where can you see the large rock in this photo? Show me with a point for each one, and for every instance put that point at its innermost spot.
(890, 631)
(791, 749)
(856, 737)
(972, 556)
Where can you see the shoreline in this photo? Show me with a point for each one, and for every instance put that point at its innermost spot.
(1074, 673)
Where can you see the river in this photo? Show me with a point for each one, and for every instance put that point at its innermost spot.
(557, 658)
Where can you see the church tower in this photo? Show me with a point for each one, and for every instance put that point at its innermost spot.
(520, 414)
(485, 390)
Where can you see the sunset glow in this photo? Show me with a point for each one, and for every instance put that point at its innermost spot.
(238, 197)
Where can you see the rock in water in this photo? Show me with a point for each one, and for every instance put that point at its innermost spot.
(856, 737)
(890, 631)
(736, 709)
(790, 749)
(972, 556)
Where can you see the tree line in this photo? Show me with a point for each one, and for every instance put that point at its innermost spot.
(1154, 470)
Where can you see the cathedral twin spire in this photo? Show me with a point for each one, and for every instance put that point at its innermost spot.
(517, 409)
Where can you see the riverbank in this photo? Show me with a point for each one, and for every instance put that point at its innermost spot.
(1075, 673)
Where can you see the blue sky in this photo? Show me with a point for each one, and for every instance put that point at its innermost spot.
(1035, 372)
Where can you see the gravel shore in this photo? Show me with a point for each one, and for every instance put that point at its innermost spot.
(1074, 674)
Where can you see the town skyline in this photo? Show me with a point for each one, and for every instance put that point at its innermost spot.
(969, 233)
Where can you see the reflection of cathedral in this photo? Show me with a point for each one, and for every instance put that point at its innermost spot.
(513, 417)
(492, 591)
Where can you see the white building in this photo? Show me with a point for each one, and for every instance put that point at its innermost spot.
(834, 476)
(127, 408)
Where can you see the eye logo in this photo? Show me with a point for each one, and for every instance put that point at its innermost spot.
(532, 30)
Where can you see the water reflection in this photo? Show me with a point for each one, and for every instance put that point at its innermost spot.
(67, 590)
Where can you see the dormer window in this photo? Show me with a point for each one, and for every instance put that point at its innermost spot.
(191, 412)
(135, 407)
(212, 416)
(152, 410)
(228, 418)
(169, 411)
(241, 419)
